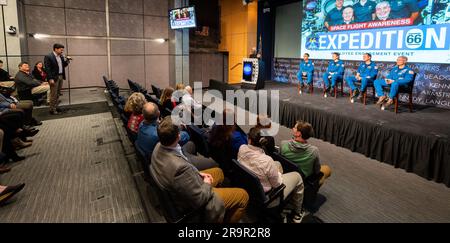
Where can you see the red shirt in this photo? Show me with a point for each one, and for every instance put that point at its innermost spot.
(134, 121)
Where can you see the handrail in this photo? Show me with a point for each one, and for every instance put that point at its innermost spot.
(235, 66)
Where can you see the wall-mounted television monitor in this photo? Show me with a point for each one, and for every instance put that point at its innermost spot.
(182, 18)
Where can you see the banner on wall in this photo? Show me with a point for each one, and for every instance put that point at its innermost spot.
(432, 86)
(418, 29)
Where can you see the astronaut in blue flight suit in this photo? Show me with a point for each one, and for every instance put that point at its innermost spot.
(404, 9)
(306, 70)
(335, 72)
(364, 11)
(367, 73)
(398, 76)
(334, 17)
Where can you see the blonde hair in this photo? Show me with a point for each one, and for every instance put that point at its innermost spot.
(135, 103)
(180, 86)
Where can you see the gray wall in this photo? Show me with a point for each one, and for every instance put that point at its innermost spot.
(206, 66)
(287, 30)
(10, 48)
(125, 49)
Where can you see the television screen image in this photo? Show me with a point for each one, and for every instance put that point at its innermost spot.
(418, 29)
(247, 71)
(182, 18)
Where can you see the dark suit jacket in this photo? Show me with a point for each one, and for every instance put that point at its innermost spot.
(182, 180)
(51, 66)
(25, 81)
(4, 75)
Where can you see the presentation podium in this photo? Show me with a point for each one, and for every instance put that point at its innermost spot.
(251, 78)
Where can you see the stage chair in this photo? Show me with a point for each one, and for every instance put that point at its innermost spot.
(370, 85)
(311, 87)
(246, 179)
(341, 81)
(404, 89)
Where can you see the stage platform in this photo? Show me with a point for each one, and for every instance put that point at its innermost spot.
(417, 142)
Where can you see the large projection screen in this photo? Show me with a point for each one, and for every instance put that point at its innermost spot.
(386, 29)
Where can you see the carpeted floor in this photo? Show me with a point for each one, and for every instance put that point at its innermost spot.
(42, 113)
(76, 171)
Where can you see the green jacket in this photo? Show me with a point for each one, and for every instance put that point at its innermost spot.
(305, 155)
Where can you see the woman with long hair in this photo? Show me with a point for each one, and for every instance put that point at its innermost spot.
(39, 72)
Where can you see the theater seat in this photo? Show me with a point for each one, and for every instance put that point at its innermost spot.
(246, 179)
(199, 140)
(310, 183)
(168, 207)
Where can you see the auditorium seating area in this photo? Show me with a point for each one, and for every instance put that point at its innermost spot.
(314, 199)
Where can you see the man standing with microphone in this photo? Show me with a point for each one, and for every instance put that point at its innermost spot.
(55, 63)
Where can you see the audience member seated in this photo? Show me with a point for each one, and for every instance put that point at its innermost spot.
(3, 167)
(6, 192)
(166, 99)
(305, 155)
(8, 101)
(188, 99)
(263, 122)
(179, 86)
(190, 188)
(270, 174)
(40, 74)
(27, 85)
(225, 140)
(134, 106)
(4, 75)
(147, 139)
(11, 122)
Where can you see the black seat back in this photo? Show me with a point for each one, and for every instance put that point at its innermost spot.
(156, 91)
(246, 179)
(168, 206)
(311, 183)
(144, 161)
(408, 88)
(197, 136)
(165, 201)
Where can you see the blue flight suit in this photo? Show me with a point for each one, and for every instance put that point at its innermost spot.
(400, 76)
(308, 68)
(364, 13)
(367, 72)
(402, 8)
(335, 70)
(334, 17)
